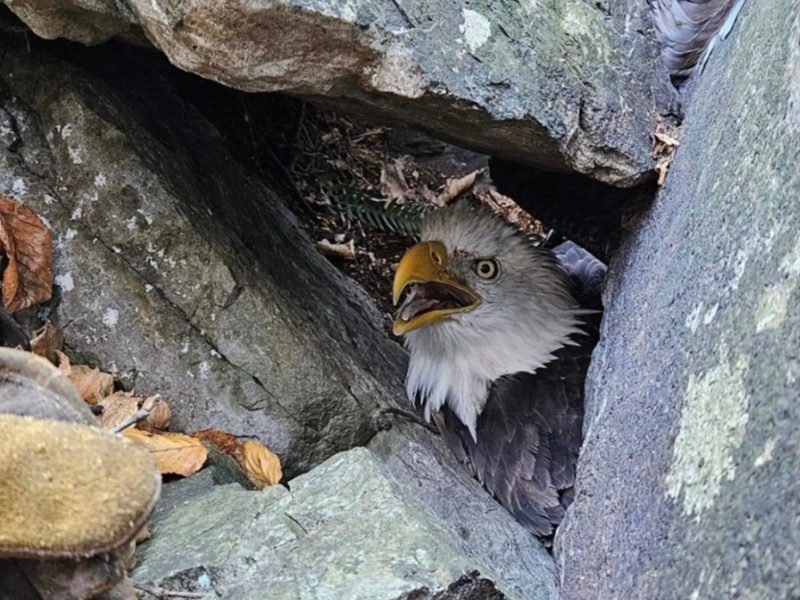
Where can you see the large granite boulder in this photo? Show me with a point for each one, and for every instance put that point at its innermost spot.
(568, 85)
(688, 481)
(182, 274)
(345, 529)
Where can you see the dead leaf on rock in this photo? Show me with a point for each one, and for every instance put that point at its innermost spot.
(28, 245)
(505, 208)
(92, 384)
(455, 186)
(663, 150)
(143, 535)
(143, 412)
(117, 408)
(174, 453)
(159, 418)
(120, 407)
(46, 341)
(226, 442)
(261, 465)
(661, 136)
(63, 363)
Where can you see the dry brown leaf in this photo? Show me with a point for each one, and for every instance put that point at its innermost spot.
(261, 465)
(226, 442)
(62, 361)
(661, 135)
(143, 535)
(455, 186)
(28, 245)
(46, 341)
(159, 418)
(664, 145)
(346, 251)
(505, 208)
(117, 408)
(662, 168)
(174, 453)
(92, 384)
(393, 181)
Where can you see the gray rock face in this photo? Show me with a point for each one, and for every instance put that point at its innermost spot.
(551, 84)
(688, 482)
(189, 278)
(84, 21)
(184, 276)
(346, 529)
(483, 529)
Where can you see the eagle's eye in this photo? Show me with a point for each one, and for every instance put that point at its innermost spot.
(486, 268)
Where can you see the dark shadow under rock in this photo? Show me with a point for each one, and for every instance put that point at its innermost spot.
(469, 587)
(595, 215)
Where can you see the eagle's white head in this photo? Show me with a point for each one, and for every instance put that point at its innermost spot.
(477, 300)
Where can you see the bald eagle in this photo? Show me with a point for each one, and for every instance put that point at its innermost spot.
(499, 333)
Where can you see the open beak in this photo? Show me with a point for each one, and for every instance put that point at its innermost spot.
(428, 291)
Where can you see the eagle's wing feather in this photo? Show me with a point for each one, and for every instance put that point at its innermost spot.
(529, 432)
(686, 28)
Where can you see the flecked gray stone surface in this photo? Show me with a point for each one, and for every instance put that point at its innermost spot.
(688, 482)
(345, 529)
(180, 273)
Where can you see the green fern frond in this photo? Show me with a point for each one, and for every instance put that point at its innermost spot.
(400, 219)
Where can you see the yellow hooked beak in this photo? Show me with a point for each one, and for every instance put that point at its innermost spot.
(438, 293)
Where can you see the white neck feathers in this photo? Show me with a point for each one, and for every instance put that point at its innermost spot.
(454, 362)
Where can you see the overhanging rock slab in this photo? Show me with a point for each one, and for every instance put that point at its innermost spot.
(568, 85)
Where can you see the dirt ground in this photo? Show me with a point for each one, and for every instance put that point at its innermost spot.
(366, 188)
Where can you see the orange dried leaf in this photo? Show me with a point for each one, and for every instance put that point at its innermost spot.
(46, 341)
(28, 245)
(261, 465)
(174, 453)
(226, 442)
(92, 384)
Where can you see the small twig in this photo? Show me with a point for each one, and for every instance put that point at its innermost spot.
(407, 415)
(164, 593)
(143, 412)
